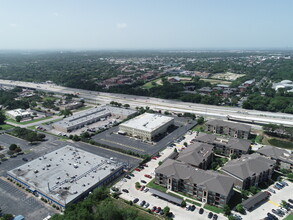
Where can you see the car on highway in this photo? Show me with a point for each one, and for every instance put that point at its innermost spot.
(210, 215)
(201, 211)
(25, 159)
(135, 200)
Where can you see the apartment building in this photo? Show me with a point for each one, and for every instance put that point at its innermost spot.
(284, 158)
(249, 170)
(231, 129)
(206, 186)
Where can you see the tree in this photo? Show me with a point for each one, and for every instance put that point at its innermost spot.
(2, 117)
(214, 165)
(137, 185)
(8, 217)
(18, 149)
(185, 144)
(240, 209)
(200, 120)
(183, 203)
(244, 194)
(126, 105)
(65, 112)
(166, 210)
(76, 138)
(160, 163)
(231, 217)
(283, 203)
(253, 190)
(18, 118)
(233, 156)
(226, 210)
(290, 176)
(175, 150)
(12, 147)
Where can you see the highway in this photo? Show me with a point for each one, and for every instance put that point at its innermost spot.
(210, 111)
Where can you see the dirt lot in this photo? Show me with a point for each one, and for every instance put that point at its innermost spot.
(227, 76)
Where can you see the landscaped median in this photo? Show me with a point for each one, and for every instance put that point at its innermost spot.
(152, 185)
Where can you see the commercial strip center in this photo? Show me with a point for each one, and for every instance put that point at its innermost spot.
(66, 175)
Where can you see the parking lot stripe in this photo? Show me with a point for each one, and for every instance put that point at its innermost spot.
(124, 145)
(270, 201)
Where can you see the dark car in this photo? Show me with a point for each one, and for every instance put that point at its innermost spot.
(127, 177)
(131, 174)
(192, 208)
(215, 217)
(162, 212)
(290, 200)
(143, 181)
(142, 203)
(270, 215)
(210, 215)
(125, 190)
(158, 210)
(201, 210)
(25, 159)
(135, 200)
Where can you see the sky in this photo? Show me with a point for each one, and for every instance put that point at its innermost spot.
(145, 24)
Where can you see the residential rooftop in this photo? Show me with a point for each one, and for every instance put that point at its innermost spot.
(248, 165)
(277, 153)
(209, 180)
(147, 122)
(231, 125)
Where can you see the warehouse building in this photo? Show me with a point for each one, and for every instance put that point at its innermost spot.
(147, 126)
(66, 175)
(91, 116)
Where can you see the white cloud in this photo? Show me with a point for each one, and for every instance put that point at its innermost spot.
(121, 25)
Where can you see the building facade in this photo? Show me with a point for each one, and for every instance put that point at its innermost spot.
(206, 186)
(231, 129)
(249, 170)
(147, 126)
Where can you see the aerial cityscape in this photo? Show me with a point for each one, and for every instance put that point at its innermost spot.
(146, 110)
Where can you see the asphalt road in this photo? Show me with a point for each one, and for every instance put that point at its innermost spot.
(162, 104)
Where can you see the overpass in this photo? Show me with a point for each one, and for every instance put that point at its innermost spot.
(251, 116)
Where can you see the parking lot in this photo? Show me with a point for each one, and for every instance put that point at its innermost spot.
(273, 203)
(179, 212)
(111, 138)
(15, 201)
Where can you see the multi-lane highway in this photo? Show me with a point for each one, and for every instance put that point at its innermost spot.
(163, 104)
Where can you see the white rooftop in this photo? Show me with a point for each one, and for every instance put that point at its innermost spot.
(66, 173)
(18, 112)
(147, 122)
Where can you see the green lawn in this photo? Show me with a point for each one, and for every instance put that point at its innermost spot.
(198, 128)
(281, 144)
(27, 122)
(149, 84)
(5, 127)
(82, 108)
(289, 217)
(152, 185)
(194, 203)
(175, 195)
(213, 209)
(258, 139)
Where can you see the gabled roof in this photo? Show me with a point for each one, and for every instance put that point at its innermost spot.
(248, 165)
(276, 153)
(196, 153)
(210, 180)
(254, 200)
(231, 125)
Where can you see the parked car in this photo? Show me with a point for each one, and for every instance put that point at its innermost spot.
(135, 200)
(127, 177)
(290, 200)
(154, 158)
(187, 207)
(270, 215)
(154, 209)
(162, 212)
(192, 208)
(215, 217)
(284, 183)
(143, 181)
(142, 203)
(131, 174)
(125, 190)
(210, 215)
(137, 169)
(158, 210)
(142, 188)
(25, 159)
(268, 193)
(201, 211)
(271, 190)
(146, 189)
(148, 176)
(276, 212)
(146, 205)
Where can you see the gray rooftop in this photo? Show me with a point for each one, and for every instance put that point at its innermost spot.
(196, 153)
(166, 196)
(248, 165)
(276, 153)
(231, 125)
(234, 143)
(207, 179)
(64, 174)
(147, 122)
(254, 200)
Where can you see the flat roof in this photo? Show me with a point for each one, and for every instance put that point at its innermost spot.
(166, 196)
(64, 174)
(147, 122)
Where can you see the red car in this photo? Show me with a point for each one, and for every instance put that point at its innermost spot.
(154, 158)
(154, 209)
(137, 169)
(142, 188)
(158, 210)
(148, 176)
